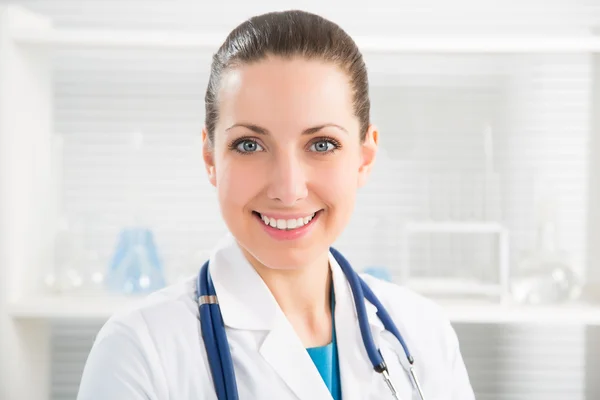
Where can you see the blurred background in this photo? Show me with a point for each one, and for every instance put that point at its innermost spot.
(483, 197)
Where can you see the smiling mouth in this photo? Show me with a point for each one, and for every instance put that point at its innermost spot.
(286, 224)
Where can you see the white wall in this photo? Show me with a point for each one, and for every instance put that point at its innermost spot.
(542, 113)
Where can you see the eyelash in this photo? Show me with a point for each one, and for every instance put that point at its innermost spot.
(234, 145)
(336, 144)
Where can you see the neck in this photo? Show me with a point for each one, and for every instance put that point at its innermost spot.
(304, 296)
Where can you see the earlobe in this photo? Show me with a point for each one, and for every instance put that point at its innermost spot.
(368, 153)
(208, 156)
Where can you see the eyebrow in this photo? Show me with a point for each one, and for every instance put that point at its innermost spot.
(263, 131)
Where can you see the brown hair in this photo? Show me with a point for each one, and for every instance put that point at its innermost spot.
(288, 34)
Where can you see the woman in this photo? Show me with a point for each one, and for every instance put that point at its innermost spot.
(287, 143)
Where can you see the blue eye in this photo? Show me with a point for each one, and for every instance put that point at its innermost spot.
(322, 146)
(248, 146)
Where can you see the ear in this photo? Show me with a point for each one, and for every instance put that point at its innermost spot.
(208, 156)
(368, 151)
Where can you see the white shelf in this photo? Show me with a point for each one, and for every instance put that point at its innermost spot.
(480, 44)
(472, 312)
(71, 307)
(454, 227)
(453, 287)
(63, 37)
(118, 38)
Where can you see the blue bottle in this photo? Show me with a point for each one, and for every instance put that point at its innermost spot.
(135, 267)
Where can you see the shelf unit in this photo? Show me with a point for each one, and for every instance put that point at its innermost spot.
(499, 289)
(490, 313)
(90, 38)
(71, 307)
(26, 118)
(461, 312)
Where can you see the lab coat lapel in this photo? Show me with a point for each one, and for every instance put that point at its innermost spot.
(356, 370)
(247, 303)
(284, 351)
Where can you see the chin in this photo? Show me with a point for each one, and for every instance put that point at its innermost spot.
(285, 256)
(290, 259)
(268, 247)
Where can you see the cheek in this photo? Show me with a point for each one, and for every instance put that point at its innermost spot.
(337, 184)
(237, 182)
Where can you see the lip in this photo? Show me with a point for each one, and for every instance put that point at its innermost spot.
(293, 234)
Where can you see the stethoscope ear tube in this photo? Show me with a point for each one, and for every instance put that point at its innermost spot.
(213, 332)
(416, 382)
(208, 335)
(363, 320)
(217, 346)
(385, 318)
(361, 291)
(223, 345)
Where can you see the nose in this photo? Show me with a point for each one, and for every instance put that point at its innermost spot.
(287, 182)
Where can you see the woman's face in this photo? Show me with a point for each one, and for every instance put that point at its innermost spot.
(287, 158)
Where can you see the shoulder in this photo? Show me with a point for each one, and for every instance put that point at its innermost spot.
(146, 327)
(420, 320)
(400, 300)
(138, 348)
(145, 319)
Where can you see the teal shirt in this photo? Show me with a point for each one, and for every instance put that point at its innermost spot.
(326, 360)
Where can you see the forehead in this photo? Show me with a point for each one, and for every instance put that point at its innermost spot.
(288, 94)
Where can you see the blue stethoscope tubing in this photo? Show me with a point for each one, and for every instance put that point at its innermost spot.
(217, 346)
(215, 338)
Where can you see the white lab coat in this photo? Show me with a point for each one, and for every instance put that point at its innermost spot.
(156, 351)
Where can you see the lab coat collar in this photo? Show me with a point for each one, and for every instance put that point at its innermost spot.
(247, 303)
(244, 299)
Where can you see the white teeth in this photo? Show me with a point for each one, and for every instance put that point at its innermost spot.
(286, 224)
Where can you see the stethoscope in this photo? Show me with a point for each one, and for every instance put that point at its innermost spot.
(217, 346)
